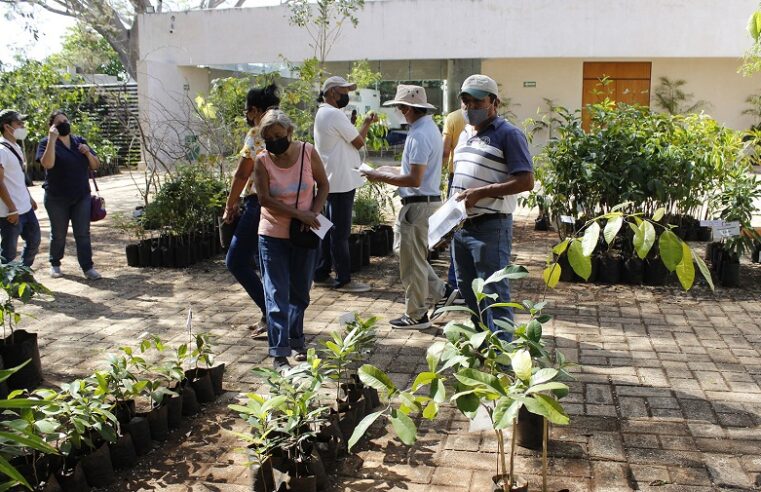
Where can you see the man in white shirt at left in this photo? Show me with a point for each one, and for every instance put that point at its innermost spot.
(17, 217)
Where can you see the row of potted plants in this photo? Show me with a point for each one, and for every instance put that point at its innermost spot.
(303, 424)
(629, 247)
(92, 426)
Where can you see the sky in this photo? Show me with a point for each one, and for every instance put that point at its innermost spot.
(51, 30)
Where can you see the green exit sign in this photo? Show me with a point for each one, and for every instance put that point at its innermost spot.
(529, 83)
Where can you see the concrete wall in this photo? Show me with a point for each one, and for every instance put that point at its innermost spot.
(713, 80)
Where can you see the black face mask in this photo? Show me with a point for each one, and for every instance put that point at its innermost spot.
(277, 146)
(342, 101)
(64, 128)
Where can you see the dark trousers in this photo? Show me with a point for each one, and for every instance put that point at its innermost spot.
(334, 250)
(242, 258)
(61, 211)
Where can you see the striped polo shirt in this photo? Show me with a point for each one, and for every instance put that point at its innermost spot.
(491, 156)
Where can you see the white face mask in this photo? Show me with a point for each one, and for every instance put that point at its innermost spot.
(20, 133)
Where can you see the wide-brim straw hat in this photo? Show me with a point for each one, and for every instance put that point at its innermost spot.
(410, 95)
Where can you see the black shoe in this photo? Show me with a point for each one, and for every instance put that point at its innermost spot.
(280, 364)
(301, 355)
(405, 322)
(447, 299)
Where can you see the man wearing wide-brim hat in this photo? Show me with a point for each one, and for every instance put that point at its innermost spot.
(492, 165)
(419, 180)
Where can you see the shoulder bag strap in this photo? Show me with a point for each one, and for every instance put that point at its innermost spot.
(9, 147)
(301, 175)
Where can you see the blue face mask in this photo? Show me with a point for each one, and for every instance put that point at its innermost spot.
(475, 116)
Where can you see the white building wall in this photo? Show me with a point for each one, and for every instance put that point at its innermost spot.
(545, 41)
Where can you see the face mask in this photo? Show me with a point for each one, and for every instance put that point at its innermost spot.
(20, 133)
(64, 128)
(277, 146)
(343, 101)
(475, 116)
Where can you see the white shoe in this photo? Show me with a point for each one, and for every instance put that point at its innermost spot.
(353, 287)
(92, 274)
(55, 272)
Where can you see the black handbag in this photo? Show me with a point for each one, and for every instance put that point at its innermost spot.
(306, 239)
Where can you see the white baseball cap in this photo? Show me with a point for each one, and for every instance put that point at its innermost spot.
(337, 81)
(479, 86)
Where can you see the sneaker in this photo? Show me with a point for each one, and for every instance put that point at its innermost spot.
(280, 364)
(55, 272)
(301, 355)
(352, 286)
(405, 322)
(92, 274)
(325, 281)
(458, 300)
(259, 330)
(446, 300)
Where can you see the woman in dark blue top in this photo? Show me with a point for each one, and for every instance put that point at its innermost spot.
(67, 162)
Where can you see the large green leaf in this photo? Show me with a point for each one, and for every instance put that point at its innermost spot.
(644, 239)
(467, 403)
(658, 214)
(754, 25)
(10, 472)
(474, 377)
(551, 275)
(375, 378)
(6, 373)
(510, 272)
(544, 375)
(560, 247)
(21, 403)
(30, 441)
(685, 271)
(590, 239)
(431, 410)
(703, 269)
(547, 407)
(362, 427)
(404, 427)
(522, 364)
(612, 227)
(505, 412)
(551, 386)
(422, 379)
(438, 391)
(670, 248)
(581, 264)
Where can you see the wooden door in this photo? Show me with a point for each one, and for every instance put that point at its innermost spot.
(621, 82)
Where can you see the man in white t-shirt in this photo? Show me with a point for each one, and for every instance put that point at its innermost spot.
(338, 143)
(17, 217)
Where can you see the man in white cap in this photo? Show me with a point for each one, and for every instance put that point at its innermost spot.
(17, 217)
(419, 180)
(492, 165)
(338, 143)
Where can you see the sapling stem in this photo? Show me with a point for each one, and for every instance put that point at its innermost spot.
(545, 439)
(512, 453)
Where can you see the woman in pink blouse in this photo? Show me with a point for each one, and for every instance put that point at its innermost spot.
(287, 269)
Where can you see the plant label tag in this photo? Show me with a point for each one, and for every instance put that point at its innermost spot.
(567, 219)
(711, 223)
(730, 229)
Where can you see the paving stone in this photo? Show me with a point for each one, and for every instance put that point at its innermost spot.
(726, 471)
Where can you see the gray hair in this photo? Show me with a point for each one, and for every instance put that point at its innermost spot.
(275, 117)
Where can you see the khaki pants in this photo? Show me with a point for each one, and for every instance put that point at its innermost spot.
(420, 282)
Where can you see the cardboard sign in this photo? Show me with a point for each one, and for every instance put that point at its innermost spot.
(567, 219)
(729, 229)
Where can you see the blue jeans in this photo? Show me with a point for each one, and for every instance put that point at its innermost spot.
(29, 229)
(479, 250)
(60, 212)
(243, 255)
(335, 246)
(287, 272)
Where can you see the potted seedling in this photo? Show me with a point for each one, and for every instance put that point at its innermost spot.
(18, 346)
(25, 436)
(484, 373)
(169, 370)
(206, 381)
(260, 414)
(87, 426)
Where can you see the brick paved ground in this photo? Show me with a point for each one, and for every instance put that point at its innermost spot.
(668, 396)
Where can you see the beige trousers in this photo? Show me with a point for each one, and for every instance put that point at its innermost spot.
(422, 287)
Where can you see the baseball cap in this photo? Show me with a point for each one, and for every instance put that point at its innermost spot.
(11, 115)
(337, 81)
(479, 86)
